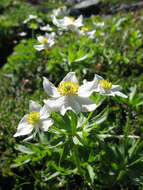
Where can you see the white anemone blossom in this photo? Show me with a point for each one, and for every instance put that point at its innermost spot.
(45, 41)
(106, 88)
(68, 22)
(46, 28)
(69, 95)
(85, 31)
(61, 11)
(38, 118)
(30, 17)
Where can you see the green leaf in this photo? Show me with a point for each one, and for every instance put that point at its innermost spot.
(20, 163)
(84, 57)
(101, 117)
(66, 150)
(91, 172)
(78, 139)
(53, 175)
(73, 120)
(133, 92)
(24, 149)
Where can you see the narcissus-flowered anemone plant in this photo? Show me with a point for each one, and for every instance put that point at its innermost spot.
(45, 41)
(37, 119)
(69, 95)
(106, 88)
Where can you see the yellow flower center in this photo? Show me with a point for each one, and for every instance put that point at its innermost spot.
(84, 29)
(68, 88)
(44, 41)
(61, 7)
(72, 19)
(105, 84)
(33, 117)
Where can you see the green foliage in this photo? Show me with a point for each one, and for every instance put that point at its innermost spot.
(11, 24)
(103, 150)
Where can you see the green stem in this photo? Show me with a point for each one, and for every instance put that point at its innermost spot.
(77, 160)
(60, 131)
(32, 33)
(89, 116)
(126, 130)
(32, 174)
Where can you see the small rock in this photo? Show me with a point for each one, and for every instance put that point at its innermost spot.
(86, 4)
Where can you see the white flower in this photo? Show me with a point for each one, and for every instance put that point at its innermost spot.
(38, 118)
(46, 28)
(106, 88)
(68, 22)
(30, 17)
(45, 41)
(61, 11)
(90, 34)
(99, 24)
(84, 31)
(69, 95)
(22, 34)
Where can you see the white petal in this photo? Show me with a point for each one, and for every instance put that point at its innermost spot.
(40, 38)
(121, 94)
(56, 21)
(98, 78)
(91, 34)
(50, 43)
(87, 88)
(32, 136)
(45, 112)
(25, 21)
(86, 104)
(70, 103)
(23, 128)
(32, 17)
(45, 124)
(114, 91)
(34, 106)
(39, 47)
(70, 77)
(29, 138)
(78, 22)
(55, 103)
(63, 103)
(50, 36)
(98, 87)
(49, 88)
(46, 28)
(116, 88)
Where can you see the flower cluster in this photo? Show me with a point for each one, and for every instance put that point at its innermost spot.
(67, 23)
(69, 95)
(63, 23)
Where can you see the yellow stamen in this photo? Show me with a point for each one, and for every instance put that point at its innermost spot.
(68, 88)
(72, 19)
(44, 41)
(66, 18)
(105, 84)
(84, 29)
(33, 117)
(61, 7)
